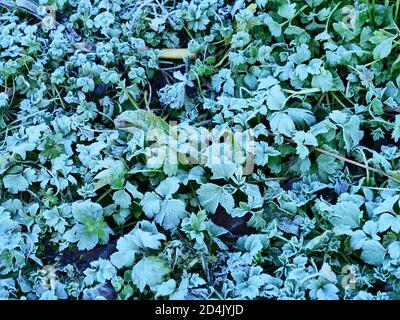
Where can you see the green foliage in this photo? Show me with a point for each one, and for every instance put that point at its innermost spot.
(90, 228)
(262, 165)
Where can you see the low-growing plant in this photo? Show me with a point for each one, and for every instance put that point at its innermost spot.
(199, 149)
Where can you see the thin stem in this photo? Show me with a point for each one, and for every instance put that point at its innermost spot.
(132, 101)
(355, 163)
(341, 158)
(369, 11)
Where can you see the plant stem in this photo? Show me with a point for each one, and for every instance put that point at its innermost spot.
(380, 172)
(341, 158)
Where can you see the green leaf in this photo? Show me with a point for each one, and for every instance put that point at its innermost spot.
(166, 212)
(262, 152)
(223, 170)
(151, 203)
(165, 288)
(275, 98)
(16, 183)
(304, 139)
(211, 195)
(274, 27)
(357, 239)
(150, 271)
(140, 119)
(144, 237)
(345, 213)
(383, 49)
(327, 166)
(287, 10)
(168, 187)
(91, 228)
(352, 134)
(223, 82)
(171, 213)
(122, 198)
(302, 71)
(396, 129)
(373, 252)
(394, 250)
(113, 174)
(387, 205)
(323, 81)
(133, 191)
(281, 123)
(387, 221)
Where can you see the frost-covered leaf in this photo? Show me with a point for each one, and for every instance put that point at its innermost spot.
(171, 213)
(282, 123)
(149, 271)
(140, 119)
(211, 195)
(373, 252)
(383, 49)
(91, 228)
(323, 81)
(144, 237)
(16, 183)
(345, 213)
(287, 10)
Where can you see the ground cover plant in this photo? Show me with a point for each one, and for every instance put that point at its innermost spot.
(201, 149)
